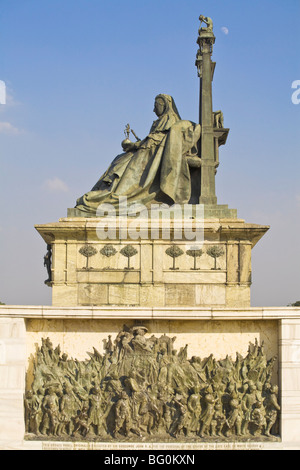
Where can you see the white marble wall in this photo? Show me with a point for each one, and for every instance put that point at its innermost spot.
(290, 379)
(12, 378)
(14, 356)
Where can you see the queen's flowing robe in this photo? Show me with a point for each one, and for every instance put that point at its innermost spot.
(156, 171)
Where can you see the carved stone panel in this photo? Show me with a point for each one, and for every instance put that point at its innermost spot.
(142, 388)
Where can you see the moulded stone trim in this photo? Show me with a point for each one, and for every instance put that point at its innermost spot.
(255, 313)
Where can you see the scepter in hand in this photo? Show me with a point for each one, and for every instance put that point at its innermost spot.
(127, 145)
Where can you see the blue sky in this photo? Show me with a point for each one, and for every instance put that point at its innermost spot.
(77, 71)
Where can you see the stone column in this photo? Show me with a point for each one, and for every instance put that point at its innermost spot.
(207, 145)
(290, 381)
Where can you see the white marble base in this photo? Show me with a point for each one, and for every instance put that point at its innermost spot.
(13, 363)
(138, 446)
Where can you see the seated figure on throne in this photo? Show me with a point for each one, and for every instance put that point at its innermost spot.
(155, 169)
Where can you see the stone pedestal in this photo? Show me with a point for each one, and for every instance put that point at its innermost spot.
(88, 270)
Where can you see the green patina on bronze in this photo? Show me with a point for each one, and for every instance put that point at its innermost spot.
(178, 160)
(150, 170)
(143, 388)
